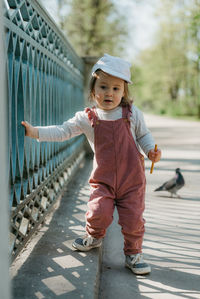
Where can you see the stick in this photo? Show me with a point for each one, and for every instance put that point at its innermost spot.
(152, 165)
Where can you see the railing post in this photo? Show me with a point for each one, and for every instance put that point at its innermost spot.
(89, 61)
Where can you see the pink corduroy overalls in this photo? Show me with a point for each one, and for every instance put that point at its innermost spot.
(117, 178)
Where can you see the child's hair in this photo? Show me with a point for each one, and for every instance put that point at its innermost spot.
(126, 100)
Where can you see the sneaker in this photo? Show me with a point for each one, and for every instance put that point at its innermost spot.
(87, 243)
(136, 264)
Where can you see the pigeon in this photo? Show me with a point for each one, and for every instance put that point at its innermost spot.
(174, 184)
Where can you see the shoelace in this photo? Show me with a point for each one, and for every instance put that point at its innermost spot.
(88, 241)
(136, 258)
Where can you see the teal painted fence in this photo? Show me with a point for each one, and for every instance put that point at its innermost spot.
(44, 86)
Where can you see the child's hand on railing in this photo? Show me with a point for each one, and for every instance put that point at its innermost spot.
(30, 131)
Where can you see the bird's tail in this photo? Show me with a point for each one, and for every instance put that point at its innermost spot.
(159, 188)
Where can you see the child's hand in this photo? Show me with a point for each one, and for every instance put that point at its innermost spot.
(30, 131)
(154, 156)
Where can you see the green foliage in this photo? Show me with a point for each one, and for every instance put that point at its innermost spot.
(94, 27)
(167, 76)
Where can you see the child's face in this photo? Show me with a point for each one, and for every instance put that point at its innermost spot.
(108, 91)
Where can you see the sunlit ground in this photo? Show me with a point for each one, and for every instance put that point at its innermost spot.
(52, 269)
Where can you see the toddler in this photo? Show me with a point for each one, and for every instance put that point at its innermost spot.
(115, 129)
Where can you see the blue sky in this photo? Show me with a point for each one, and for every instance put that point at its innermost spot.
(140, 17)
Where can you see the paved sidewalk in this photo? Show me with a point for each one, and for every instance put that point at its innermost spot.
(49, 267)
(172, 239)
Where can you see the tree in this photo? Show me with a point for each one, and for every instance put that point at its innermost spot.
(169, 70)
(94, 27)
(195, 38)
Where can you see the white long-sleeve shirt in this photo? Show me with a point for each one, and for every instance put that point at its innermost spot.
(80, 124)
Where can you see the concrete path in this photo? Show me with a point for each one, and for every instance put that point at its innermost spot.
(48, 268)
(172, 239)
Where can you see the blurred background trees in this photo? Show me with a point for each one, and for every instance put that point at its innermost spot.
(166, 75)
(93, 27)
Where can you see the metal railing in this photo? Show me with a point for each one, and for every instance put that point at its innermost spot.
(45, 86)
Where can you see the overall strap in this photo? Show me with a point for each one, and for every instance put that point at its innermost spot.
(126, 112)
(92, 116)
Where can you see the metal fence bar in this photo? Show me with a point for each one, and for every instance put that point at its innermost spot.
(45, 86)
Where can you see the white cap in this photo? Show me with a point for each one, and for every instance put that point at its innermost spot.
(114, 66)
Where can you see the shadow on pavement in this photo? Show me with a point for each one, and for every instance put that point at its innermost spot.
(54, 269)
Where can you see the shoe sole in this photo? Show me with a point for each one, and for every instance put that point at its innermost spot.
(139, 271)
(82, 248)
